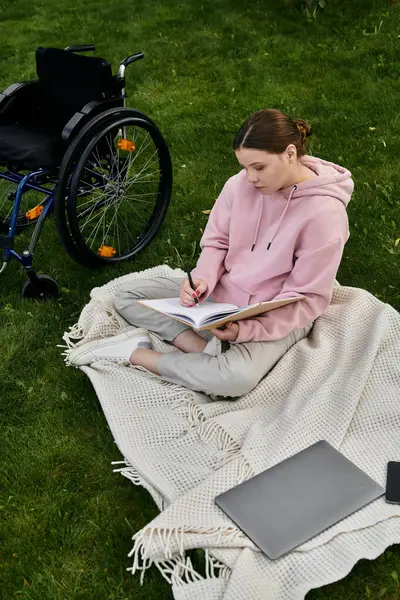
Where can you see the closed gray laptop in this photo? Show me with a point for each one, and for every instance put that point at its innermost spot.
(285, 506)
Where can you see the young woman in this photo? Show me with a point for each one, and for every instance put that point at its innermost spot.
(277, 230)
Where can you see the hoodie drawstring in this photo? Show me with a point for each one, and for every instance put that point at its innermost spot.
(294, 188)
(258, 224)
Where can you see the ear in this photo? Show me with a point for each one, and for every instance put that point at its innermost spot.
(291, 153)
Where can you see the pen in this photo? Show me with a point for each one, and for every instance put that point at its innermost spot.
(196, 301)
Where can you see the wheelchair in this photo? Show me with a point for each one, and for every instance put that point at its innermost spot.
(68, 144)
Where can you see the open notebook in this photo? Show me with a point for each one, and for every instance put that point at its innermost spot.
(208, 315)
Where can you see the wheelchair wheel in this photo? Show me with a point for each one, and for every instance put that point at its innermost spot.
(115, 188)
(46, 289)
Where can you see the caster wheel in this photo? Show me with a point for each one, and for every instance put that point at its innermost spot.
(47, 288)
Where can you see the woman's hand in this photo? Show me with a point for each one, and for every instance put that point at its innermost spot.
(229, 334)
(186, 293)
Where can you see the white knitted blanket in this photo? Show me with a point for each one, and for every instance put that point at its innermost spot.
(341, 384)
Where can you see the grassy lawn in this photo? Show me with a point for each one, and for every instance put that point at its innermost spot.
(66, 519)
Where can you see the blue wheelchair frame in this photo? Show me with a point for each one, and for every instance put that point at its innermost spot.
(24, 183)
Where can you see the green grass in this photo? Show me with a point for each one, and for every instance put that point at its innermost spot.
(65, 518)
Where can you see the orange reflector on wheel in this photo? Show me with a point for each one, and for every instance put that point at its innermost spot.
(34, 213)
(106, 251)
(126, 145)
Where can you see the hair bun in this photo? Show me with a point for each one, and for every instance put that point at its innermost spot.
(304, 128)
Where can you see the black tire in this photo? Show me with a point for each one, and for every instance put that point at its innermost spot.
(66, 206)
(47, 289)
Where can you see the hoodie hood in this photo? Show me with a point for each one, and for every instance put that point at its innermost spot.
(332, 181)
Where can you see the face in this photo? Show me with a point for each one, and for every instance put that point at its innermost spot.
(266, 171)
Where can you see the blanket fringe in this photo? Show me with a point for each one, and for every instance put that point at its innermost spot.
(76, 332)
(184, 398)
(212, 564)
(178, 569)
(185, 573)
(245, 470)
(128, 471)
(209, 431)
(71, 337)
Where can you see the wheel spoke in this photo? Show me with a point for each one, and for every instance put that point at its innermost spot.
(4, 197)
(146, 165)
(133, 181)
(131, 159)
(30, 198)
(117, 205)
(91, 216)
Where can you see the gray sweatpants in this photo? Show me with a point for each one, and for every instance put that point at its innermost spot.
(232, 373)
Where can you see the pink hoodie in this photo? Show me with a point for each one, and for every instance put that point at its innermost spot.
(288, 243)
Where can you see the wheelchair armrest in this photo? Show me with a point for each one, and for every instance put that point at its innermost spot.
(17, 88)
(73, 124)
(14, 87)
(17, 92)
(90, 110)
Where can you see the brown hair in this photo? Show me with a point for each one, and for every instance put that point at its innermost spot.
(271, 130)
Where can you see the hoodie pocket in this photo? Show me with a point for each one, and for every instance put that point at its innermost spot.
(227, 291)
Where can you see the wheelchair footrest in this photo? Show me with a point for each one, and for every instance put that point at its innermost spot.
(6, 242)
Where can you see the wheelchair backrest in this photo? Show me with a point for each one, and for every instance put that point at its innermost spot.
(68, 81)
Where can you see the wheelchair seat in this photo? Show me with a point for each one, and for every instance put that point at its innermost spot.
(29, 148)
(33, 120)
